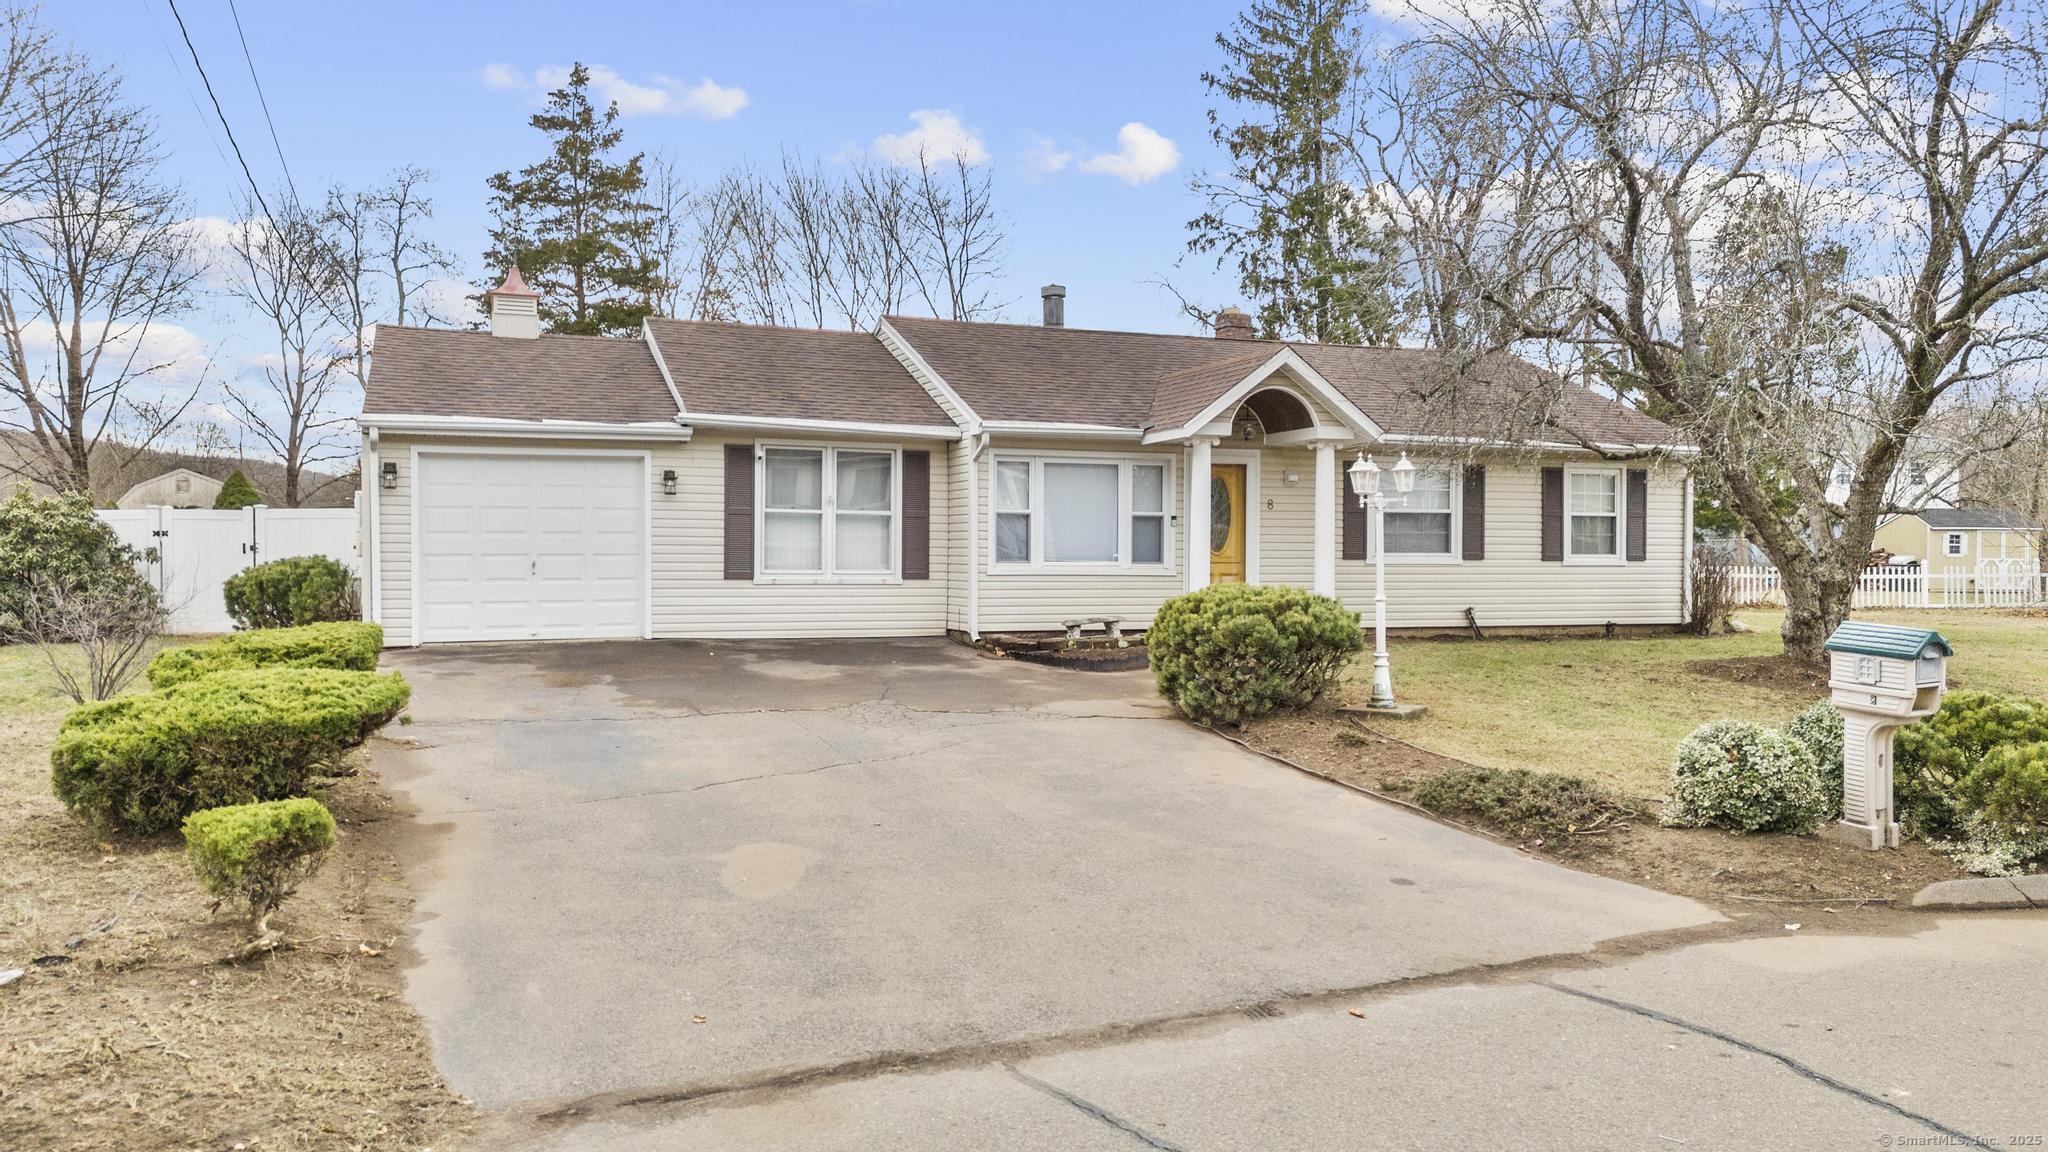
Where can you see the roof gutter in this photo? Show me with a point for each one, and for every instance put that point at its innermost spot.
(414, 424)
(840, 427)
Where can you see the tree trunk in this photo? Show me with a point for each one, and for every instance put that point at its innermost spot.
(1815, 605)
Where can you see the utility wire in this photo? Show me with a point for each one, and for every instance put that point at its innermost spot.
(254, 188)
(261, 100)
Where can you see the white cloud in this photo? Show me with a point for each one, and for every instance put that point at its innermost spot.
(1045, 156)
(1141, 157)
(936, 134)
(503, 76)
(659, 96)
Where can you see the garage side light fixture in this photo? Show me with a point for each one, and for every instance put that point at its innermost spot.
(390, 474)
(668, 482)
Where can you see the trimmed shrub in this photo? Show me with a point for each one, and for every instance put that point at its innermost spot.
(258, 854)
(1741, 775)
(1528, 805)
(1934, 756)
(1819, 731)
(291, 593)
(237, 492)
(141, 764)
(2008, 794)
(55, 546)
(1230, 653)
(352, 646)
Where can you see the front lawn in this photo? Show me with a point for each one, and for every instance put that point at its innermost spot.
(129, 1032)
(1613, 710)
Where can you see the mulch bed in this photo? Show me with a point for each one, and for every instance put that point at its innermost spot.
(131, 1032)
(1741, 872)
(1094, 653)
(1779, 672)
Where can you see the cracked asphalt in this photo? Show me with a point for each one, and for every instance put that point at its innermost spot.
(897, 895)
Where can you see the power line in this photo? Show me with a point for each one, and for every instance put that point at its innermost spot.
(254, 188)
(262, 101)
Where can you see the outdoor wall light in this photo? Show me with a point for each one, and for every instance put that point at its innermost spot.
(668, 482)
(390, 474)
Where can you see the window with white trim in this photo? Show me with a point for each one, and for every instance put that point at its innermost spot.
(1425, 523)
(1953, 545)
(1593, 520)
(1080, 509)
(827, 512)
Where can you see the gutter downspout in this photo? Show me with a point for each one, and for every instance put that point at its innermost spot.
(1685, 572)
(979, 444)
(373, 552)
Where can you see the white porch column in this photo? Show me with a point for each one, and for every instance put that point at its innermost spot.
(1325, 581)
(1195, 525)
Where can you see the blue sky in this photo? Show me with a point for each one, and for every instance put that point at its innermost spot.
(358, 89)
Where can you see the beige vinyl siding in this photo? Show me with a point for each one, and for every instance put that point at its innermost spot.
(1515, 587)
(1039, 600)
(690, 596)
(1909, 535)
(951, 518)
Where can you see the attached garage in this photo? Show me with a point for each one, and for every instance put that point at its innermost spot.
(529, 544)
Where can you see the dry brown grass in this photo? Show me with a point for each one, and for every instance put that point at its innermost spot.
(139, 1037)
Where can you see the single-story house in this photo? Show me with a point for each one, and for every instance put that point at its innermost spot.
(177, 488)
(931, 476)
(1958, 542)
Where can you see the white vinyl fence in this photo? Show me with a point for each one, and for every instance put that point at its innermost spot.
(1994, 584)
(197, 549)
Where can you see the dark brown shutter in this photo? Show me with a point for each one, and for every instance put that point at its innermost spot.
(1475, 512)
(917, 515)
(1638, 513)
(739, 511)
(1553, 514)
(1355, 527)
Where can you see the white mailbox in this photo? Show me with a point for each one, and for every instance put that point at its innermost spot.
(1882, 677)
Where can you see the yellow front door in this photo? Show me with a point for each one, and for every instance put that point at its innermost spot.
(1226, 524)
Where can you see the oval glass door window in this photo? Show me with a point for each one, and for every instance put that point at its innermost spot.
(1219, 514)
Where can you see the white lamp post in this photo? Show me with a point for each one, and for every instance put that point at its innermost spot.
(1365, 484)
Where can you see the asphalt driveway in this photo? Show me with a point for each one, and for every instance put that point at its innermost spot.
(649, 869)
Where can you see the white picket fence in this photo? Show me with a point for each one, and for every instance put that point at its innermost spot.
(197, 549)
(1995, 584)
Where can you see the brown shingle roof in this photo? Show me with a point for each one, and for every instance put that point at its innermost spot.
(1178, 397)
(806, 373)
(441, 372)
(1136, 379)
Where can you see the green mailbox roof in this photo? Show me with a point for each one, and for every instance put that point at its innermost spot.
(1888, 640)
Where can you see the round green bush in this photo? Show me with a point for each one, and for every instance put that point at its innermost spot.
(56, 542)
(292, 592)
(351, 645)
(1231, 653)
(1933, 757)
(2009, 787)
(1819, 731)
(257, 854)
(142, 763)
(1741, 775)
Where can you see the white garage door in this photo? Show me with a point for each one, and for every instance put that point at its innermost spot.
(539, 547)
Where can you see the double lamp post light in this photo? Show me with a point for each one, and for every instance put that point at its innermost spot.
(1365, 484)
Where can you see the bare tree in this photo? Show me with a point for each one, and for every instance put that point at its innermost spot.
(1788, 229)
(94, 254)
(955, 237)
(93, 634)
(398, 208)
(26, 59)
(663, 243)
(285, 269)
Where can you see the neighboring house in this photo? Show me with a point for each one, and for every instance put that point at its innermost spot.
(178, 488)
(1963, 541)
(725, 480)
(1925, 479)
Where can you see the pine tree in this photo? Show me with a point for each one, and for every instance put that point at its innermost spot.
(573, 222)
(1312, 264)
(237, 492)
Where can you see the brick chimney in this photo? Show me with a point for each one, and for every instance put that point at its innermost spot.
(1233, 324)
(1055, 298)
(515, 308)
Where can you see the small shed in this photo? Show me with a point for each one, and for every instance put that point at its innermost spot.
(178, 488)
(1959, 541)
